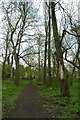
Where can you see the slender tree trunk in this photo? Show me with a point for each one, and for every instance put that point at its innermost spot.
(45, 52)
(16, 79)
(49, 52)
(39, 70)
(78, 57)
(12, 69)
(55, 66)
(59, 54)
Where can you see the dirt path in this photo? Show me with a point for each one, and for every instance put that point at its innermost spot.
(29, 105)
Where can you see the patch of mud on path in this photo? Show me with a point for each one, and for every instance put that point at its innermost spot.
(29, 105)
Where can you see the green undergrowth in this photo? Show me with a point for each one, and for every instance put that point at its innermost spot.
(57, 106)
(10, 93)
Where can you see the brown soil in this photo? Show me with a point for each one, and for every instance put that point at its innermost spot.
(29, 105)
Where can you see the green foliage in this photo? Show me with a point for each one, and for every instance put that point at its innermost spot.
(29, 73)
(47, 91)
(7, 71)
(10, 92)
(57, 106)
(22, 71)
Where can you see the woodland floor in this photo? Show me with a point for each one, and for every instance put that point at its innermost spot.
(29, 105)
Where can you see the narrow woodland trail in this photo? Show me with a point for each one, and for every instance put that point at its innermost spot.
(29, 105)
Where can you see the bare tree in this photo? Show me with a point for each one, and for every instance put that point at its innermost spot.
(59, 54)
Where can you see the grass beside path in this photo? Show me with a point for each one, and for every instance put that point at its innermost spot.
(10, 93)
(57, 106)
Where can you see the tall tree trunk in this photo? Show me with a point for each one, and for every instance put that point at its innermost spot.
(12, 69)
(59, 54)
(45, 51)
(49, 51)
(39, 70)
(55, 67)
(16, 80)
(45, 54)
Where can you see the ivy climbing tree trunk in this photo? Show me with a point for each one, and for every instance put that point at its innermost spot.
(59, 54)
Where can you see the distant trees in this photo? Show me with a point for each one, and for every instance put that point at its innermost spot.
(7, 71)
(22, 72)
(17, 19)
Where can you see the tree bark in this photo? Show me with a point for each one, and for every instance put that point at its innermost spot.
(39, 69)
(45, 52)
(59, 54)
(16, 79)
(49, 51)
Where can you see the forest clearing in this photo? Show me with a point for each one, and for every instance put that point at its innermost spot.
(40, 59)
